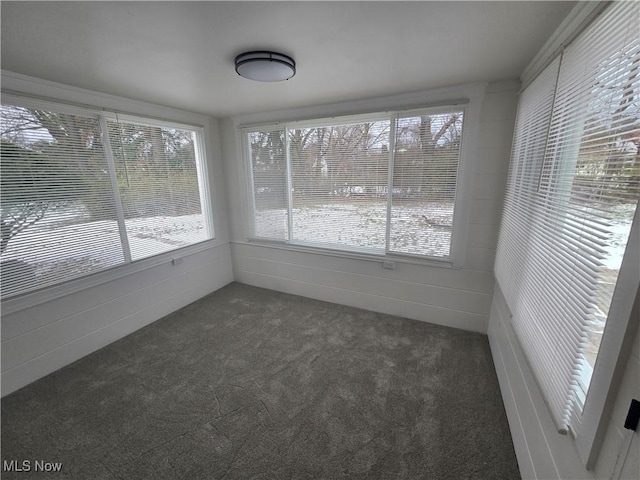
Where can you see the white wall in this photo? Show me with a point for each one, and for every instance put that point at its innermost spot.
(541, 451)
(454, 297)
(44, 331)
(41, 339)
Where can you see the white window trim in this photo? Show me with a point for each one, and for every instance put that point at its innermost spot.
(38, 93)
(115, 192)
(469, 97)
(351, 254)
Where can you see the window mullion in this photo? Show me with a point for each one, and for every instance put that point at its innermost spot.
(289, 183)
(106, 143)
(392, 150)
(246, 152)
(203, 183)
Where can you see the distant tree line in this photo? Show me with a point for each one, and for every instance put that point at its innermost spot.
(346, 161)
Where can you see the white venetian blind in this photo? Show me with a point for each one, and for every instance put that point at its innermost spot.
(58, 219)
(530, 140)
(568, 212)
(267, 155)
(339, 176)
(425, 168)
(157, 173)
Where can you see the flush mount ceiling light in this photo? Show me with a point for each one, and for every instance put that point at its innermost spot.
(265, 66)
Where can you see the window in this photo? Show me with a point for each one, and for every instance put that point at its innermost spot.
(382, 184)
(158, 185)
(573, 188)
(84, 191)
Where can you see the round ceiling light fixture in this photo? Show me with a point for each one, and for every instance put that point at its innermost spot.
(265, 66)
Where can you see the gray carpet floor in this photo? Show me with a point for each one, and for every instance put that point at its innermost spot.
(248, 383)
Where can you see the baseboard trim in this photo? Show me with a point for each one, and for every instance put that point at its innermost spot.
(387, 305)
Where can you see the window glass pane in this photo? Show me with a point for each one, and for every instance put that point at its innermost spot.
(58, 215)
(339, 179)
(427, 150)
(158, 185)
(269, 170)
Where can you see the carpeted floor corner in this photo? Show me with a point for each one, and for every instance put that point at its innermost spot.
(248, 383)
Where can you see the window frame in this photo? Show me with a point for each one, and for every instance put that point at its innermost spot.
(470, 108)
(23, 91)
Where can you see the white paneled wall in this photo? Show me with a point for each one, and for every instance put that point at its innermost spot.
(542, 452)
(492, 164)
(41, 339)
(444, 296)
(458, 298)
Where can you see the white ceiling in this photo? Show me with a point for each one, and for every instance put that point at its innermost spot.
(180, 54)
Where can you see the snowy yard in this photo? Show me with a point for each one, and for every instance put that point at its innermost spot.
(77, 249)
(74, 250)
(416, 228)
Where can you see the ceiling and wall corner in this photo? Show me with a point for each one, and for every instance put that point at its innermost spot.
(181, 54)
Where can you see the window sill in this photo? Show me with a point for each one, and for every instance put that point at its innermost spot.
(383, 258)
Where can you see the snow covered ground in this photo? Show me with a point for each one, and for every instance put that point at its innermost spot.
(77, 249)
(416, 228)
(74, 250)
